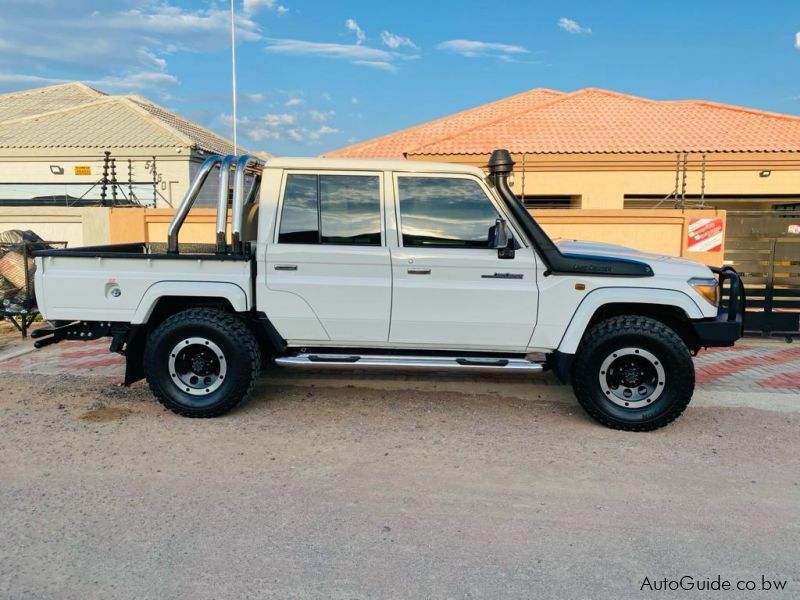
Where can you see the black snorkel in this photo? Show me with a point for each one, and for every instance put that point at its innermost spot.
(500, 167)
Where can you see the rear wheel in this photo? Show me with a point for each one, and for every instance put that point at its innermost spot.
(633, 373)
(201, 362)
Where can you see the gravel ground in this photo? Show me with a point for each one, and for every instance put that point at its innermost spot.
(330, 486)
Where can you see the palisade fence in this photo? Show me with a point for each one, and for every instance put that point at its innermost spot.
(121, 182)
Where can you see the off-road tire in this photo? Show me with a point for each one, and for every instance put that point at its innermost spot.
(653, 337)
(230, 334)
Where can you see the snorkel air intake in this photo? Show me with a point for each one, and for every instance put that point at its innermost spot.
(500, 167)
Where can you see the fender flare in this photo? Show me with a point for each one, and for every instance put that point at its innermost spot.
(164, 289)
(604, 296)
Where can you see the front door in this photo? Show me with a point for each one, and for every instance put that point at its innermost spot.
(328, 269)
(450, 289)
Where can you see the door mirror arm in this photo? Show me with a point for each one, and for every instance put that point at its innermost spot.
(500, 239)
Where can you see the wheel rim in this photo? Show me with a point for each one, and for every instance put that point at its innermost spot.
(197, 366)
(632, 377)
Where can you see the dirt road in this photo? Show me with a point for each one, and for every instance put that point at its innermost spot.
(386, 487)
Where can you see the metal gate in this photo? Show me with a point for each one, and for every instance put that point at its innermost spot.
(765, 248)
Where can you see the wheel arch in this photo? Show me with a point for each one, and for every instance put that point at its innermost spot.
(179, 295)
(671, 307)
(166, 298)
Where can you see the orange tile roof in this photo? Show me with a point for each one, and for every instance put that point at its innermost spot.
(397, 144)
(592, 121)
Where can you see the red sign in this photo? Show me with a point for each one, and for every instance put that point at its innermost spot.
(705, 234)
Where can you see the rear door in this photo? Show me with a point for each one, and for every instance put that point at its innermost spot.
(328, 267)
(450, 289)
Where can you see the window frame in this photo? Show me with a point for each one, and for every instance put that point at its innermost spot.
(499, 208)
(320, 172)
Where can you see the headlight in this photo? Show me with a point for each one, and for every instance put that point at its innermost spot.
(707, 288)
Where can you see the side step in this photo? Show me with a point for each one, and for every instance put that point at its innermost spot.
(413, 363)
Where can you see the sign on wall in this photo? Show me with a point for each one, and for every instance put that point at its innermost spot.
(83, 170)
(705, 234)
(794, 229)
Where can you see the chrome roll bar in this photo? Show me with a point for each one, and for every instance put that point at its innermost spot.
(239, 200)
(222, 202)
(191, 194)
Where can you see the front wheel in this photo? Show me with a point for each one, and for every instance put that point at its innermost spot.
(201, 362)
(633, 373)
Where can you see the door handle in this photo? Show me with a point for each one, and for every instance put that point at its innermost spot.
(503, 276)
(419, 271)
(286, 267)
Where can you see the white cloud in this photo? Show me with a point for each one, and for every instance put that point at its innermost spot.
(396, 41)
(193, 28)
(252, 7)
(255, 97)
(280, 127)
(79, 41)
(354, 100)
(327, 50)
(572, 26)
(294, 102)
(797, 40)
(140, 80)
(319, 116)
(361, 36)
(376, 64)
(148, 57)
(473, 48)
(133, 81)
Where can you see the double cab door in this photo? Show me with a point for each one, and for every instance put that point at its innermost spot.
(382, 259)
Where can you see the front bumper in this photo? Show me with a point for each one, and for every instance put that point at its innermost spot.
(728, 325)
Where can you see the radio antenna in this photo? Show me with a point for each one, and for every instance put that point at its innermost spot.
(233, 75)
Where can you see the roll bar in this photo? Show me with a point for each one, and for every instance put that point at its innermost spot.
(239, 200)
(222, 202)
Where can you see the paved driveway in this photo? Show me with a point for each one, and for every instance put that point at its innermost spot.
(753, 365)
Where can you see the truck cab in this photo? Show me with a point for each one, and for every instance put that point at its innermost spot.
(364, 264)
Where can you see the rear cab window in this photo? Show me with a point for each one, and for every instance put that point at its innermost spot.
(331, 209)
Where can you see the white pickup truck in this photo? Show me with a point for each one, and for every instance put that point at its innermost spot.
(351, 264)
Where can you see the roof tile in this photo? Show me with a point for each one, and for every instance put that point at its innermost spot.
(396, 145)
(597, 121)
(74, 115)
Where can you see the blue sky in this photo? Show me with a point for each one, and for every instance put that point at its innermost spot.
(315, 76)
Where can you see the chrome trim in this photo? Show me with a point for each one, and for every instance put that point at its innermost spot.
(412, 363)
(239, 199)
(187, 202)
(222, 202)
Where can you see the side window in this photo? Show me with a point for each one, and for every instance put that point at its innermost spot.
(350, 209)
(331, 209)
(444, 212)
(300, 217)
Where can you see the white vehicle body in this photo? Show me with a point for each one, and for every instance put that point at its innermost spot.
(386, 295)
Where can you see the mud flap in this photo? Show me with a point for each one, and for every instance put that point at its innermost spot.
(134, 355)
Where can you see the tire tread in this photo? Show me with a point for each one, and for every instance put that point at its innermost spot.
(631, 325)
(236, 329)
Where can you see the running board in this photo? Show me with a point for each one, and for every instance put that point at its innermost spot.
(413, 363)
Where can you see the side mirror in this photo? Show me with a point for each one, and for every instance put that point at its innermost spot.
(500, 239)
